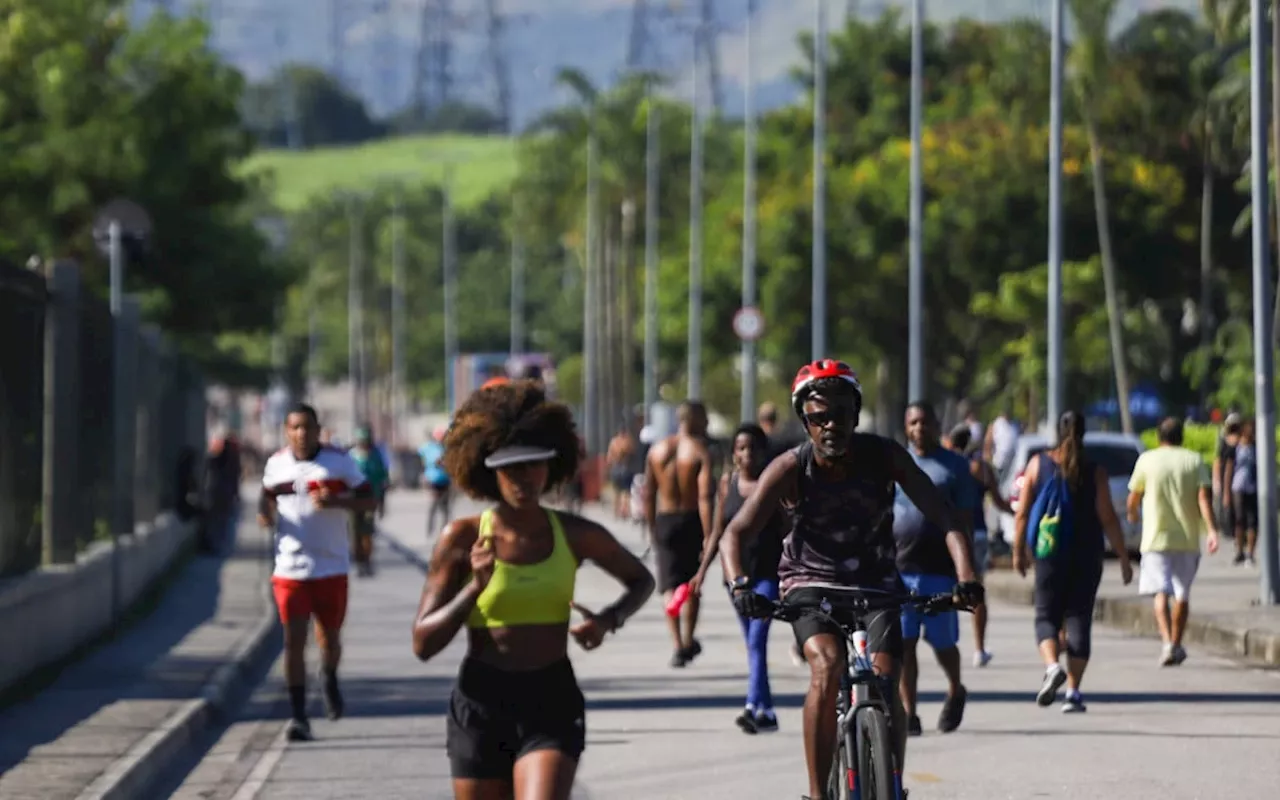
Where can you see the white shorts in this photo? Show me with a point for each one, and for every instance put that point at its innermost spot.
(1168, 573)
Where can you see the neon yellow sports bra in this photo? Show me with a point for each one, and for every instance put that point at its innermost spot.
(527, 594)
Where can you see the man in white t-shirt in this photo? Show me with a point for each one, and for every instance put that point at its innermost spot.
(309, 491)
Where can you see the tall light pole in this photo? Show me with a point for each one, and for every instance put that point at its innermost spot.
(915, 270)
(450, 276)
(1264, 386)
(590, 306)
(517, 266)
(355, 299)
(651, 189)
(1055, 394)
(397, 321)
(695, 227)
(749, 217)
(818, 301)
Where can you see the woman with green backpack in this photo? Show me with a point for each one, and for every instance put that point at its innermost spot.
(1064, 512)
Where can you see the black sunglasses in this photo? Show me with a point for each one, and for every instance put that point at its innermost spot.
(832, 416)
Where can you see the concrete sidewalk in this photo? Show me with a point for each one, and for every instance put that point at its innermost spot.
(1225, 615)
(110, 724)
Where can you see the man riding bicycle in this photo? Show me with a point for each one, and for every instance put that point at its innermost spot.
(840, 485)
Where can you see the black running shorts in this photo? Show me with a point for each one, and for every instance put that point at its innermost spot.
(496, 717)
(884, 628)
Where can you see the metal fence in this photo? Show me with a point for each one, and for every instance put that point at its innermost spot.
(77, 400)
(22, 315)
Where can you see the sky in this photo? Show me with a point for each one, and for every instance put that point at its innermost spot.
(381, 39)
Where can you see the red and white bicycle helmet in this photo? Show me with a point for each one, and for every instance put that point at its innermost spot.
(823, 369)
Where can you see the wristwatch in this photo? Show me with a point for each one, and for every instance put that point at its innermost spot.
(740, 582)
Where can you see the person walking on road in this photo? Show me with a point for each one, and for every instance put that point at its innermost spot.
(621, 462)
(1223, 463)
(1001, 441)
(1170, 486)
(984, 476)
(363, 524)
(926, 565)
(1243, 480)
(436, 479)
(679, 495)
(760, 560)
(309, 491)
(1065, 506)
(516, 722)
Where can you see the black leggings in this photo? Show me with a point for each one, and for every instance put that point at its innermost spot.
(1065, 592)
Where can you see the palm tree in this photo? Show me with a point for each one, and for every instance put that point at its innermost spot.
(1225, 20)
(1091, 72)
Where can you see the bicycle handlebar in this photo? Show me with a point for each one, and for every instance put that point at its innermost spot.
(863, 602)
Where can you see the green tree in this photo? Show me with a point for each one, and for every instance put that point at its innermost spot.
(1091, 74)
(91, 110)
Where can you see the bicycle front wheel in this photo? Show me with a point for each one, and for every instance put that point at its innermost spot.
(838, 778)
(875, 755)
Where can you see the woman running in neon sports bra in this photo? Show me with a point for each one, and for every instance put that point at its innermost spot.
(516, 719)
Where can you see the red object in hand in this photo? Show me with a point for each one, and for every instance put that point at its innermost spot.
(678, 598)
(334, 485)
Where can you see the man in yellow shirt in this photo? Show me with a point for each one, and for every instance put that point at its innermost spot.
(1171, 486)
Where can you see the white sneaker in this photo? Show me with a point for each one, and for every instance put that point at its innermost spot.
(1166, 655)
(981, 658)
(1054, 677)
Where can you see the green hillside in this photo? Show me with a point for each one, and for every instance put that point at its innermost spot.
(481, 164)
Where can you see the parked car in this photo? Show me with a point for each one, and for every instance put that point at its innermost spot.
(1114, 452)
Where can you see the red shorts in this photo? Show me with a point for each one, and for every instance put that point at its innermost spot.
(322, 598)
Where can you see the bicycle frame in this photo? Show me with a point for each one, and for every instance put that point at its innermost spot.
(861, 687)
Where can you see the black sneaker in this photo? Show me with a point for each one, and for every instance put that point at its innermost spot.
(746, 721)
(679, 659)
(333, 702)
(953, 711)
(694, 650)
(766, 722)
(298, 730)
(913, 726)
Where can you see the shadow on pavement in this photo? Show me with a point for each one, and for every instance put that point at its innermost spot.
(133, 664)
(365, 698)
(1117, 734)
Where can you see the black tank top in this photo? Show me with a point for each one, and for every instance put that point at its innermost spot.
(842, 530)
(759, 556)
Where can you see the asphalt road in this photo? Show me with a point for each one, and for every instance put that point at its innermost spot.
(1207, 729)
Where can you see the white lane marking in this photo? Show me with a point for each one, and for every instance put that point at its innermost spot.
(261, 772)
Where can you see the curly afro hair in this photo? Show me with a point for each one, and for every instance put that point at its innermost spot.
(514, 413)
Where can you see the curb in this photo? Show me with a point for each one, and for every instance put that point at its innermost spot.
(131, 775)
(1134, 615)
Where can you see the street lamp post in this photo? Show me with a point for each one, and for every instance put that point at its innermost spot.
(651, 188)
(818, 300)
(915, 271)
(1264, 386)
(1055, 393)
(749, 218)
(695, 228)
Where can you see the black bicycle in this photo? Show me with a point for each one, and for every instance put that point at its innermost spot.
(864, 724)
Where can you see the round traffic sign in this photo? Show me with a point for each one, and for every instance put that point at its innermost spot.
(748, 323)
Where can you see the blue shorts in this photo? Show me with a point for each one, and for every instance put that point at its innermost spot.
(941, 631)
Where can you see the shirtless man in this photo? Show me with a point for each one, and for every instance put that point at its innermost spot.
(679, 492)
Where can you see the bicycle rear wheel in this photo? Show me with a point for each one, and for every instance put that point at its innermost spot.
(875, 755)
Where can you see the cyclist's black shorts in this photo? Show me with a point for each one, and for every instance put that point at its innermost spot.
(884, 628)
